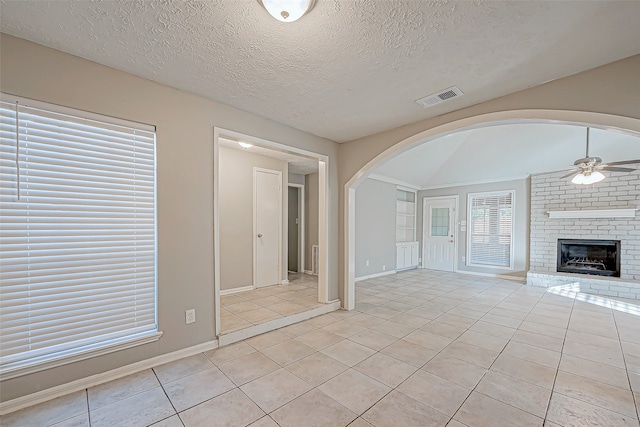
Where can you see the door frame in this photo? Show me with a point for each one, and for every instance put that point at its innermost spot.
(301, 226)
(425, 223)
(257, 170)
(323, 210)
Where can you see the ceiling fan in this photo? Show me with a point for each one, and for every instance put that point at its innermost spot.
(587, 170)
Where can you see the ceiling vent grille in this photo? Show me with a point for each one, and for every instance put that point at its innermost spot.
(443, 95)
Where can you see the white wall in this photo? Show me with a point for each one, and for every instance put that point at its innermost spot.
(375, 227)
(617, 191)
(185, 130)
(236, 214)
(520, 222)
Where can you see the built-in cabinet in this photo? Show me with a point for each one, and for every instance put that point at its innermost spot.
(407, 248)
(406, 255)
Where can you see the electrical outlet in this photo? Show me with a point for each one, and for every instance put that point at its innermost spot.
(384, 268)
(464, 259)
(190, 316)
(367, 263)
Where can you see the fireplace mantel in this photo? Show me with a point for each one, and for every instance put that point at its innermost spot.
(594, 213)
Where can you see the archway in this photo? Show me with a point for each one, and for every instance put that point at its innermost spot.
(610, 122)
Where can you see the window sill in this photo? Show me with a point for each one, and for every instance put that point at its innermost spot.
(26, 369)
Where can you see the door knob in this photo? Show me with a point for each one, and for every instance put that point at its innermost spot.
(259, 235)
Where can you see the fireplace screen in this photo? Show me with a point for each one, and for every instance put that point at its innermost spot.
(597, 257)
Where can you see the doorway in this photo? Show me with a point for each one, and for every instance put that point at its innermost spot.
(439, 219)
(267, 220)
(234, 280)
(296, 228)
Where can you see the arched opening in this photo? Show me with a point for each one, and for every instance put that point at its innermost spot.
(625, 125)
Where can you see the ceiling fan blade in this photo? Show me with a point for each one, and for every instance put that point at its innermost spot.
(569, 174)
(623, 162)
(615, 169)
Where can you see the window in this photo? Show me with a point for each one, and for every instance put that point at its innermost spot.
(77, 235)
(490, 229)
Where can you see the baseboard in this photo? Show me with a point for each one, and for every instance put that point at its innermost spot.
(497, 276)
(285, 282)
(272, 325)
(236, 290)
(373, 276)
(77, 385)
(309, 272)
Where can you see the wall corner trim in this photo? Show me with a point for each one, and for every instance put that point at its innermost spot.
(93, 380)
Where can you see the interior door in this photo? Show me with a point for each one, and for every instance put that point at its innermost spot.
(439, 218)
(268, 223)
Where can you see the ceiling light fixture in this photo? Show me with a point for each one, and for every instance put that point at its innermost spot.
(588, 177)
(245, 145)
(287, 10)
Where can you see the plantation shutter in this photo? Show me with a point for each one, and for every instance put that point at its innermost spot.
(77, 232)
(490, 229)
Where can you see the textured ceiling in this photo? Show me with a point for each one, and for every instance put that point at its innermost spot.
(350, 67)
(501, 153)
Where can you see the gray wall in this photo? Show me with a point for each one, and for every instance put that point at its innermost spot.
(520, 222)
(236, 214)
(296, 178)
(292, 229)
(185, 174)
(311, 188)
(375, 227)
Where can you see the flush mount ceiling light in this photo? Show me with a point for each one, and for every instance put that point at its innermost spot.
(245, 144)
(287, 10)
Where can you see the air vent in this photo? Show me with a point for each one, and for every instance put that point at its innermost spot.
(443, 95)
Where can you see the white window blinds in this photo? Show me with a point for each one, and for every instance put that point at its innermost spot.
(77, 233)
(490, 229)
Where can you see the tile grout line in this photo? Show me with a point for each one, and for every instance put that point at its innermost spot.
(555, 378)
(624, 359)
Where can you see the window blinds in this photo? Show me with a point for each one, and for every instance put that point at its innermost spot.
(490, 229)
(77, 233)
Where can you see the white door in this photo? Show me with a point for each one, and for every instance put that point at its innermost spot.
(267, 226)
(439, 219)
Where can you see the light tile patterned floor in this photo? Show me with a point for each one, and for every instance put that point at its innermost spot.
(423, 348)
(249, 308)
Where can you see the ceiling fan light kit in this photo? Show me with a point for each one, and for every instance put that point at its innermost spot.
(589, 168)
(287, 10)
(588, 178)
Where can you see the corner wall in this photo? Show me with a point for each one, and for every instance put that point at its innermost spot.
(236, 215)
(185, 128)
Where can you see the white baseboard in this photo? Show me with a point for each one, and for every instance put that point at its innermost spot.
(285, 282)
(309, 272)
(236, 290)
(373, 276)
(274, 324)
(497, 276)
(77, 385)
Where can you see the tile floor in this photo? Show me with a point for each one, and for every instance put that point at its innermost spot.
(249, 308)
(423, 348)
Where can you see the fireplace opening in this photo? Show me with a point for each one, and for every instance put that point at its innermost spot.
(596, 257)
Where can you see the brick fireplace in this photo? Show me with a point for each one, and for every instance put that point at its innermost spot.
(616, 192)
